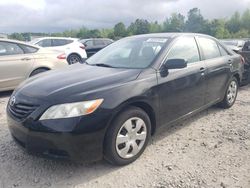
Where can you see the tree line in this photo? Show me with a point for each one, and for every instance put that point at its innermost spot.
(237, 26)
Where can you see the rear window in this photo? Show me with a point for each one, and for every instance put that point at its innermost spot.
(61, 42)
(98, 42)
(107, 42)
(28, 49)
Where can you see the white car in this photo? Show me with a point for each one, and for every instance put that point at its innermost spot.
(73, 49)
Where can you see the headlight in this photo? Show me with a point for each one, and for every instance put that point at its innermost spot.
(71, 109)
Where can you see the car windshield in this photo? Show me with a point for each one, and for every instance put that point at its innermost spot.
(129, 53)
(34, 41)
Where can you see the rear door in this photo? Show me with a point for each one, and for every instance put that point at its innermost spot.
(182, 91)
(90, 47)
(14, 64)
(218, 63)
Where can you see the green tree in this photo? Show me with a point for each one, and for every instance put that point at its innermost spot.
(17, 36)
(233, 25)
(140, 26)
(245, 20)
(155, 27)
(243, 33)
(175, 23)
(196, 22)
(217, 29)
(120, 30)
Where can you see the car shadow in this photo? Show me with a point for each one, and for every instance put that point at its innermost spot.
(4, 94)
(172, 129)
(72, 173)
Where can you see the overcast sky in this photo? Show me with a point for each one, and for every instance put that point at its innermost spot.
(58, 15)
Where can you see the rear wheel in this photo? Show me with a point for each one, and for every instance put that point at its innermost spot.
(231, 94)
(127, 137)
(74, 58)
(38, 71)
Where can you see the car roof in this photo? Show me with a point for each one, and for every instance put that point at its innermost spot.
(170, 35)
(66, 38)
(19, 42)
(95, 39)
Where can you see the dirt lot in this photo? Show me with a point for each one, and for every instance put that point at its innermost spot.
(212, 149)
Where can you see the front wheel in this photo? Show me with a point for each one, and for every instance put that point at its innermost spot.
(231, 94)
(127, 137)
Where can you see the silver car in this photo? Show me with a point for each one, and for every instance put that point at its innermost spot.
(19, 61)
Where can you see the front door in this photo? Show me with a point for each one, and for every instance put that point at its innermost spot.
(182, 91)
(14, 65)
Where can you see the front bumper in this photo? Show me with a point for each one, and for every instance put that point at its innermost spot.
(75, 144)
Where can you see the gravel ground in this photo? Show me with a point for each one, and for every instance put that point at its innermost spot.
(211, 149)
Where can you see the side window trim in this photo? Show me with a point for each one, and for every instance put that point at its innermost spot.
(202, 52)
(221, 47)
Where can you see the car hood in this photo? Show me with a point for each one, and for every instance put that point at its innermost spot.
(75, 80)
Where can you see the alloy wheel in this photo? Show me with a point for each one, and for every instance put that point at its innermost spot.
(74, 59)
(232, 92)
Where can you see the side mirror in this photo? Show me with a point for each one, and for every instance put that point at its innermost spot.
(172, 64)
(175, 64)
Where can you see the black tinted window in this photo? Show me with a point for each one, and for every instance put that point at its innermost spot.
(223, 51)
(246, 46)
(185, 48)
(209, 47)
(107, 42)
(99, 42)
(45, 43)
(61, 42)
(89, 43)
(8, 48)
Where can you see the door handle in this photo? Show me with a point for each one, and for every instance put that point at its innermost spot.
(202, 71)
(26, 59)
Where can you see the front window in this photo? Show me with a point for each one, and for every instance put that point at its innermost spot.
(185, 48)
(8, 48)
(129, 53)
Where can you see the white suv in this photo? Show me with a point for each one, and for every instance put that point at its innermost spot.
(73, 49)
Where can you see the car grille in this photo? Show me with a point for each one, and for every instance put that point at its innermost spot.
(21, 111)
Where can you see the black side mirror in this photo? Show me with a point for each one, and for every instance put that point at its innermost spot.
(172, 64)
(175, 64)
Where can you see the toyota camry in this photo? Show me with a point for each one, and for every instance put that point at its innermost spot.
(110, 106)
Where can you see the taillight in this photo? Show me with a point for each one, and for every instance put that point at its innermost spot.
(61, 56)
(82, 47)
(242, 60)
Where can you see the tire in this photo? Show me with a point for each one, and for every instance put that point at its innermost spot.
(38, 71)
(231, 94)
(135, 140)
(74, 58)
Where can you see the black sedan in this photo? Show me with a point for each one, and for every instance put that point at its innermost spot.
(110, 106)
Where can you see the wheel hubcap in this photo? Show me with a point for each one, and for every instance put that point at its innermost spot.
(232, 92)
(131, 137)
(74, 59)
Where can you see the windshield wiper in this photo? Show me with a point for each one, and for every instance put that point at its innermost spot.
(103, 65)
